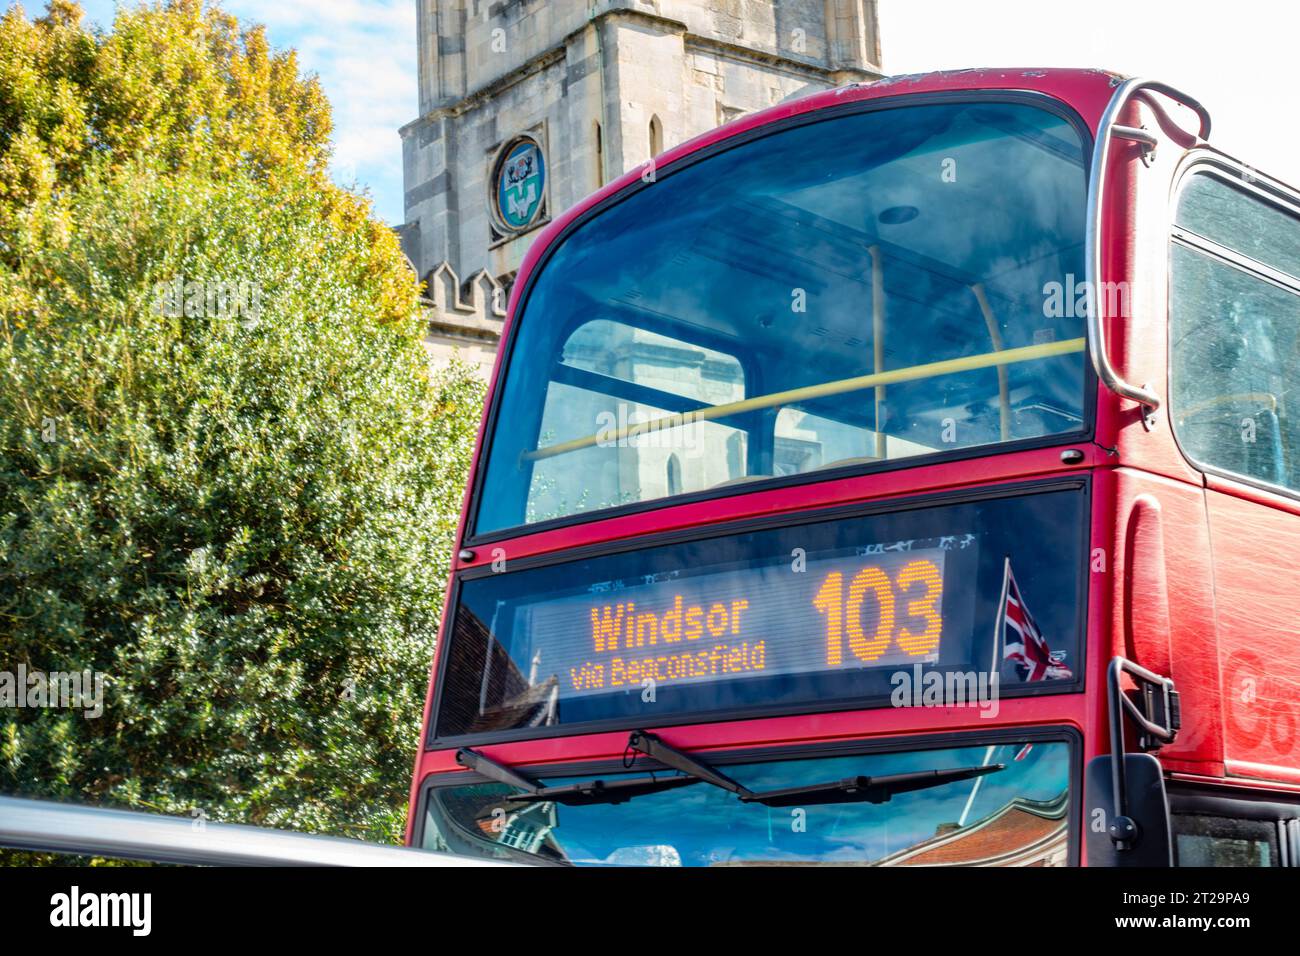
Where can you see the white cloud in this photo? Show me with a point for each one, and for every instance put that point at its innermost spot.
(320, 15)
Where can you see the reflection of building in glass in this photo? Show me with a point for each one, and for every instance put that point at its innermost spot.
(527, 106)
(674, 377)
(1020, 833)
(527, 829)
(466, 820)
(634, 467)
(504, 696)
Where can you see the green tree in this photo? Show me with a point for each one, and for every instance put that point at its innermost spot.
(228, 481)
(178, 82)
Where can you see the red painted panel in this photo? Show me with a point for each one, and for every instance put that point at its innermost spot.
(904, 482)
(1136, 235)
(1146, 586)
(1066, 710)
(1256, 543)
(1165, 608)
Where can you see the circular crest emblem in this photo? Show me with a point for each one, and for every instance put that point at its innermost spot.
(519, 182)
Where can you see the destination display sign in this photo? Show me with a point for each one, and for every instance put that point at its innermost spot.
(810, 614)
(799, 617)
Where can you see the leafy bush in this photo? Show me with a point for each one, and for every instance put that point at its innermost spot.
(236, 504)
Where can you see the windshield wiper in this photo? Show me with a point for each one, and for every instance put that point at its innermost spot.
(573, 794)
(867, 789)
(656, 749)
(694, 770)
(848, 790)
(603, 791)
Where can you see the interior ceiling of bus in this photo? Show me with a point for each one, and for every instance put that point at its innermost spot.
(818, 240)
(778, 246)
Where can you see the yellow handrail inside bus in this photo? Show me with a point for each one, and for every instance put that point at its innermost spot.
(1255, 398)
(1027, 353)
(1004, 388)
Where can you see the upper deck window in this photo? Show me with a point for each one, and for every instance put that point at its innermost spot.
(1235, 332)
(732, 320)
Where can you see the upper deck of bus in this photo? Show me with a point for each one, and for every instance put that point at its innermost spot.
(1082, 92)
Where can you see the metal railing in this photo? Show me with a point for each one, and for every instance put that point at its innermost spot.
(129, 834)
(1160, 702)
(1107, 130)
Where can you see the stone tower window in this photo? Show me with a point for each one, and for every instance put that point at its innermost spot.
(674, 475)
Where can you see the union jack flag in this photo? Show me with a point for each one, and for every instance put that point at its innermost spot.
(1022, 642)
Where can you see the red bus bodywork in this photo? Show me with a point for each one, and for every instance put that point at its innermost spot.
(1192, 574)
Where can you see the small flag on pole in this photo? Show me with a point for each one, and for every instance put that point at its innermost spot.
(1022, 642)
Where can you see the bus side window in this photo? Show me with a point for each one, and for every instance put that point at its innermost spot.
(1235, 319)
(1204, 840)
(1216, 827)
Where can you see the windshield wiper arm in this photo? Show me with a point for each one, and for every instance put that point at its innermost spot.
(574, 794)
(848, 790)
(495, 771)
(603, 791)
(866, 789)
(656, 749)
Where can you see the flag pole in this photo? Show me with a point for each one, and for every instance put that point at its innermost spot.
(999, 627)
(1000, 622)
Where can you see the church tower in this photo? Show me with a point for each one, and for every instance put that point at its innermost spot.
(526, 106)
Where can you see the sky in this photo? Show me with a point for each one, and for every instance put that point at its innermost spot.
(1239, 59)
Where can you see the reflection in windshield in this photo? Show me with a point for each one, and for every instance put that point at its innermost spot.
(1016, 817)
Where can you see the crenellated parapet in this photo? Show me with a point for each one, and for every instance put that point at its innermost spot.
(465, 317)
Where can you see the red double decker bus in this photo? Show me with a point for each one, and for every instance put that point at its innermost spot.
(905, 475)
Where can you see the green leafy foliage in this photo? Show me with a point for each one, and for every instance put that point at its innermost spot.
(178, 81)
(237, 507)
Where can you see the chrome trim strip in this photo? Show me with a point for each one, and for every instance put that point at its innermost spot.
(1106, 129)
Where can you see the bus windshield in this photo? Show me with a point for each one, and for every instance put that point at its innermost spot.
(1016, 816)
(846, 292)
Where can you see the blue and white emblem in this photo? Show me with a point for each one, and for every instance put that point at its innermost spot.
(520, 181)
